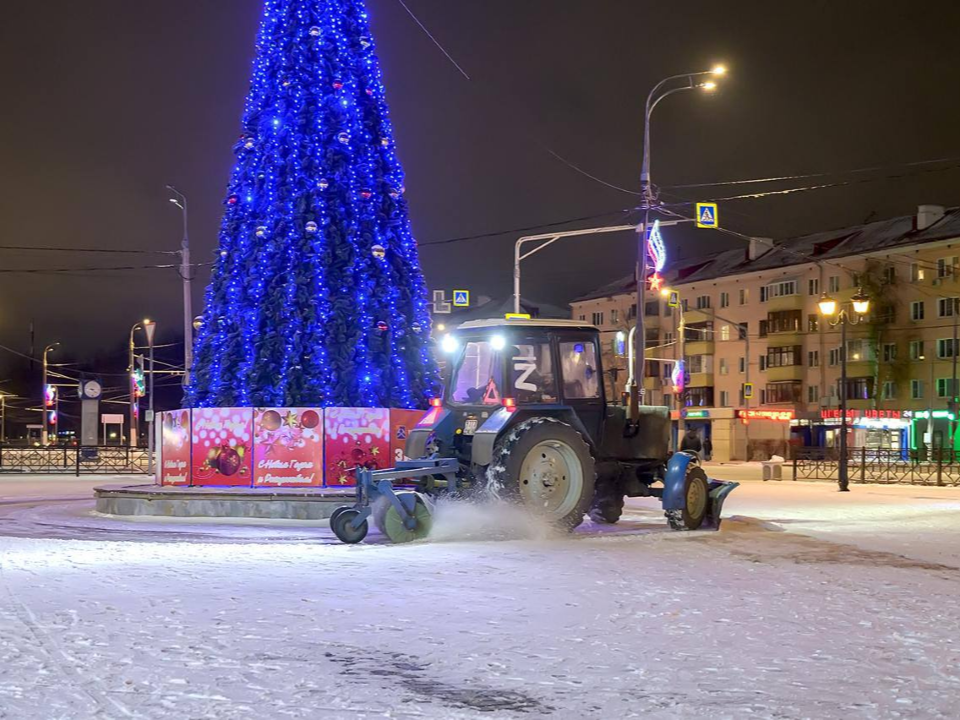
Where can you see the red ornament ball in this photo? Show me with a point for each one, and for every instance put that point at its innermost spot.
(337, 85)
(228, 461)
(271, 420)
(310, 419)
(366, 194)
(358, 454)
(382, 326)
(233, 200)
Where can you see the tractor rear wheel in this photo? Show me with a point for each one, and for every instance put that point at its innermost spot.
(696, 496)
(545, 465)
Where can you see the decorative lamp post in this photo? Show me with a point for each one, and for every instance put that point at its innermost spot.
(150, 328)
(840, 314)
(47, 402)
(180, 200)
(666, 87)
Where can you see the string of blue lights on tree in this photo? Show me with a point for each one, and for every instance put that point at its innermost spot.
(317, 298)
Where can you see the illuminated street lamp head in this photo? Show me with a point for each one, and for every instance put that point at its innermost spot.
(828, 306)
(150, 328)
(665, 292)
(861, 303)
(719, 70)
(709, 86)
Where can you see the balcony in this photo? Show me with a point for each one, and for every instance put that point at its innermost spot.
(786, 302)
(785, 339)
(783, 374)
(652, 383)
(700, 347)
(694, 317)
(703, 379)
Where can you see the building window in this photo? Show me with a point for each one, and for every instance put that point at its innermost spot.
(700, 397)
(946, 306)
(943, 387)
(886, 313)
(916, 272)
(724, 398)
(724, 299)
(667, 400)
(946, 267)
(889, 352)
(632, 313)
(813, 358)
(813, 286)
(614, 317)
(744, 296)
(724, 333)
(813, 393)
(889, 275)
(858, 388)
(743, 330)
(834, 283)
(783, 356)
(700, 363)
(778, 289)
(763, 363)
(813, 323)
(763, 328)
(703, 302)
(916, 389)
(784, 392)
(916, 349)
(945, 348)
(784, 321)
(860, 351)
(668, 338)
(652, 308)
(583, 318)
(743, 365)
(917, 310)
(833, 358)
(889, 390)
(598, 319)
(724, 368)
(685, 305)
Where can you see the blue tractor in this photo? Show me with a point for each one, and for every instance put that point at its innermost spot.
(525, 417)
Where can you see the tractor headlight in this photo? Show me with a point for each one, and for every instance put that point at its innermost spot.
(498, 342)
(449, 344)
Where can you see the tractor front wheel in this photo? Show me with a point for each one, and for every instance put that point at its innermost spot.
(696, 496)
(546, 466)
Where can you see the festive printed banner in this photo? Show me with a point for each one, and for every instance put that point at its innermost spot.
(175, 448)
(222, 447)
(401, 423)
(288, 447)
(355, 436)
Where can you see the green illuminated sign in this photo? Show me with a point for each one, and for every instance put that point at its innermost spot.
(698, 414)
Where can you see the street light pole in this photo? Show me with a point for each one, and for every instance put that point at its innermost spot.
(831, 308)
(44, 436)
(134, 402)
(181, 202)
(3, 419)
(648, 200)
(150, 328)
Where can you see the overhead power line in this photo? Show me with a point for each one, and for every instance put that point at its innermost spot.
(126, 251)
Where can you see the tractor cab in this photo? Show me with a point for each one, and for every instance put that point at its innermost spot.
(522, 366)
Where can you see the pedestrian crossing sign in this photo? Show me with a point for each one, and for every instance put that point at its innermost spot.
(707, 216)
(748, 391)
(461, 298)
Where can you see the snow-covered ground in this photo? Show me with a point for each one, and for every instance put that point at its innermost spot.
(809, 604)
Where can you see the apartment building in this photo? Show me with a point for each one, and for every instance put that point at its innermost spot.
(752, 314)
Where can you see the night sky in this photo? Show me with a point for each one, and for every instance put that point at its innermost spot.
(105, 102)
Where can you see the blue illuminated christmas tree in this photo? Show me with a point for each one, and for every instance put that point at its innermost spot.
(317, 298)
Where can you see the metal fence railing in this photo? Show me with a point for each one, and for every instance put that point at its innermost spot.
(73, 460)
(872, 465)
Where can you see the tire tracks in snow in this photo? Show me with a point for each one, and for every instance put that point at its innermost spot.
(88, 685)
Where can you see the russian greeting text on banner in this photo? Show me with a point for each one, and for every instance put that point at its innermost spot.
(287, 447)
(355, 437)
(175, 448)
(222, 447)
(401, 423)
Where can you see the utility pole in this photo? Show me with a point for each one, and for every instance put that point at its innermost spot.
(44, 436)
(3, 419)
(134, 400)
(648, 200)
(180, 200)
(150, 328)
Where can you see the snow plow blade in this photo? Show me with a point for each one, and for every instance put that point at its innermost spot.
(719, 489)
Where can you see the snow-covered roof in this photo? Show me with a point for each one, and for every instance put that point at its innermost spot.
(816, 247)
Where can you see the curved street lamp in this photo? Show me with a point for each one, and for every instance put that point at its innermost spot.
(839, 313)
(706, 81)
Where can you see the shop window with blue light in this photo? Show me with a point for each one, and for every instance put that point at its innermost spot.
(579, 367)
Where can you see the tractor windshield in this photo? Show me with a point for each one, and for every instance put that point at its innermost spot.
(478, 378)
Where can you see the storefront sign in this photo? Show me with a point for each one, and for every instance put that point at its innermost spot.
(832, 414)
(937, 415)
(776, 415)
(697, 414)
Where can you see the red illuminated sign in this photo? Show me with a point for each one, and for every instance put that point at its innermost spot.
(777, 415)
(857, 414)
